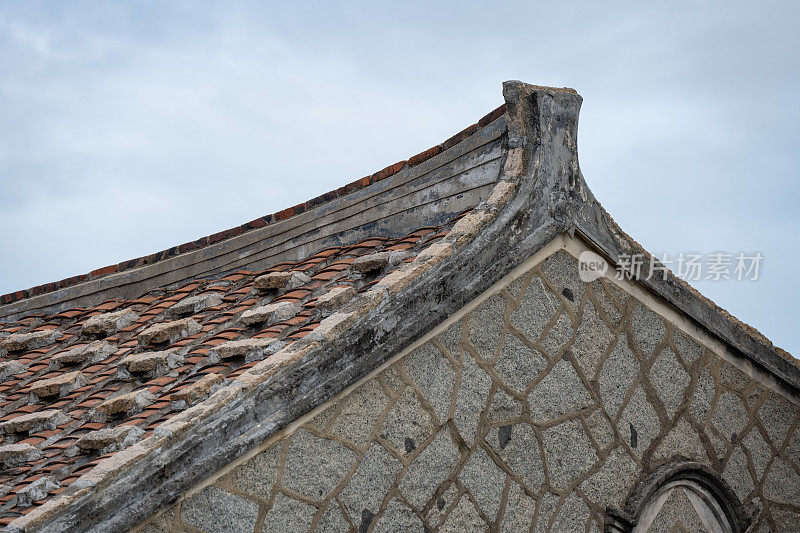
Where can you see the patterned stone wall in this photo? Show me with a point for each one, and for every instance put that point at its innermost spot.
(535, 412)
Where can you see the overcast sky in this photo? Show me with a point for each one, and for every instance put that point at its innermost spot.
(127, 128)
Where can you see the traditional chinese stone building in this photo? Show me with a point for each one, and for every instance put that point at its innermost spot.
(415, 351)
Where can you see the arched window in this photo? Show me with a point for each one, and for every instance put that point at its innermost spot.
(681, 496)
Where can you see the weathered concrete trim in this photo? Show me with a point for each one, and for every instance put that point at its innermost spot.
(437, 189)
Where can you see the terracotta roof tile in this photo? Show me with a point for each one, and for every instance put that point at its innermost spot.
(85, 390)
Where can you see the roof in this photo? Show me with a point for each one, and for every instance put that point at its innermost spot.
(78, 383)
(111, 410)
(260, 222)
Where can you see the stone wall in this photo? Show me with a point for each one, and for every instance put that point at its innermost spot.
(535, 411)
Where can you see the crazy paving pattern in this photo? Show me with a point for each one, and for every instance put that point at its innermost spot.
(535, 412)
(79, 385)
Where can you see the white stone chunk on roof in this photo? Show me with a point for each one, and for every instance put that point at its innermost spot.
(35, 421)
(274, 312)
(17, 342)
(197, 390)
(372, 262)
(119, 436)
(336, 297)
(94, 351)
(195, 304)
(108, 323)
(38, 490)
(58, 385)
(125, 403)
(149, 361)
(168, 332)
(18, 453)
(281, 280)
(10, 368)
(251, 349)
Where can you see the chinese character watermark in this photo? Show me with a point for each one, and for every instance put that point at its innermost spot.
(715, 266)
(690, 266)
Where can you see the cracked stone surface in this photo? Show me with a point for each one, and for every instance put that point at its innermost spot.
(639, 425)
(227, 509)
(618, 373)
(432, 467)
(360, 409)
(568, 452)
(371, 481)
(730, 416)
(407, 423)
(591, 340)
(518, 365)
(543, 406)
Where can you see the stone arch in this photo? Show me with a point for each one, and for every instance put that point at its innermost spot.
(686, 494)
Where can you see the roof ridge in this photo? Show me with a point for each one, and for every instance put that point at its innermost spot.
(260, 222)
(539, 196)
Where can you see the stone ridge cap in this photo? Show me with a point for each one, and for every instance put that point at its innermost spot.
(260, 222)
